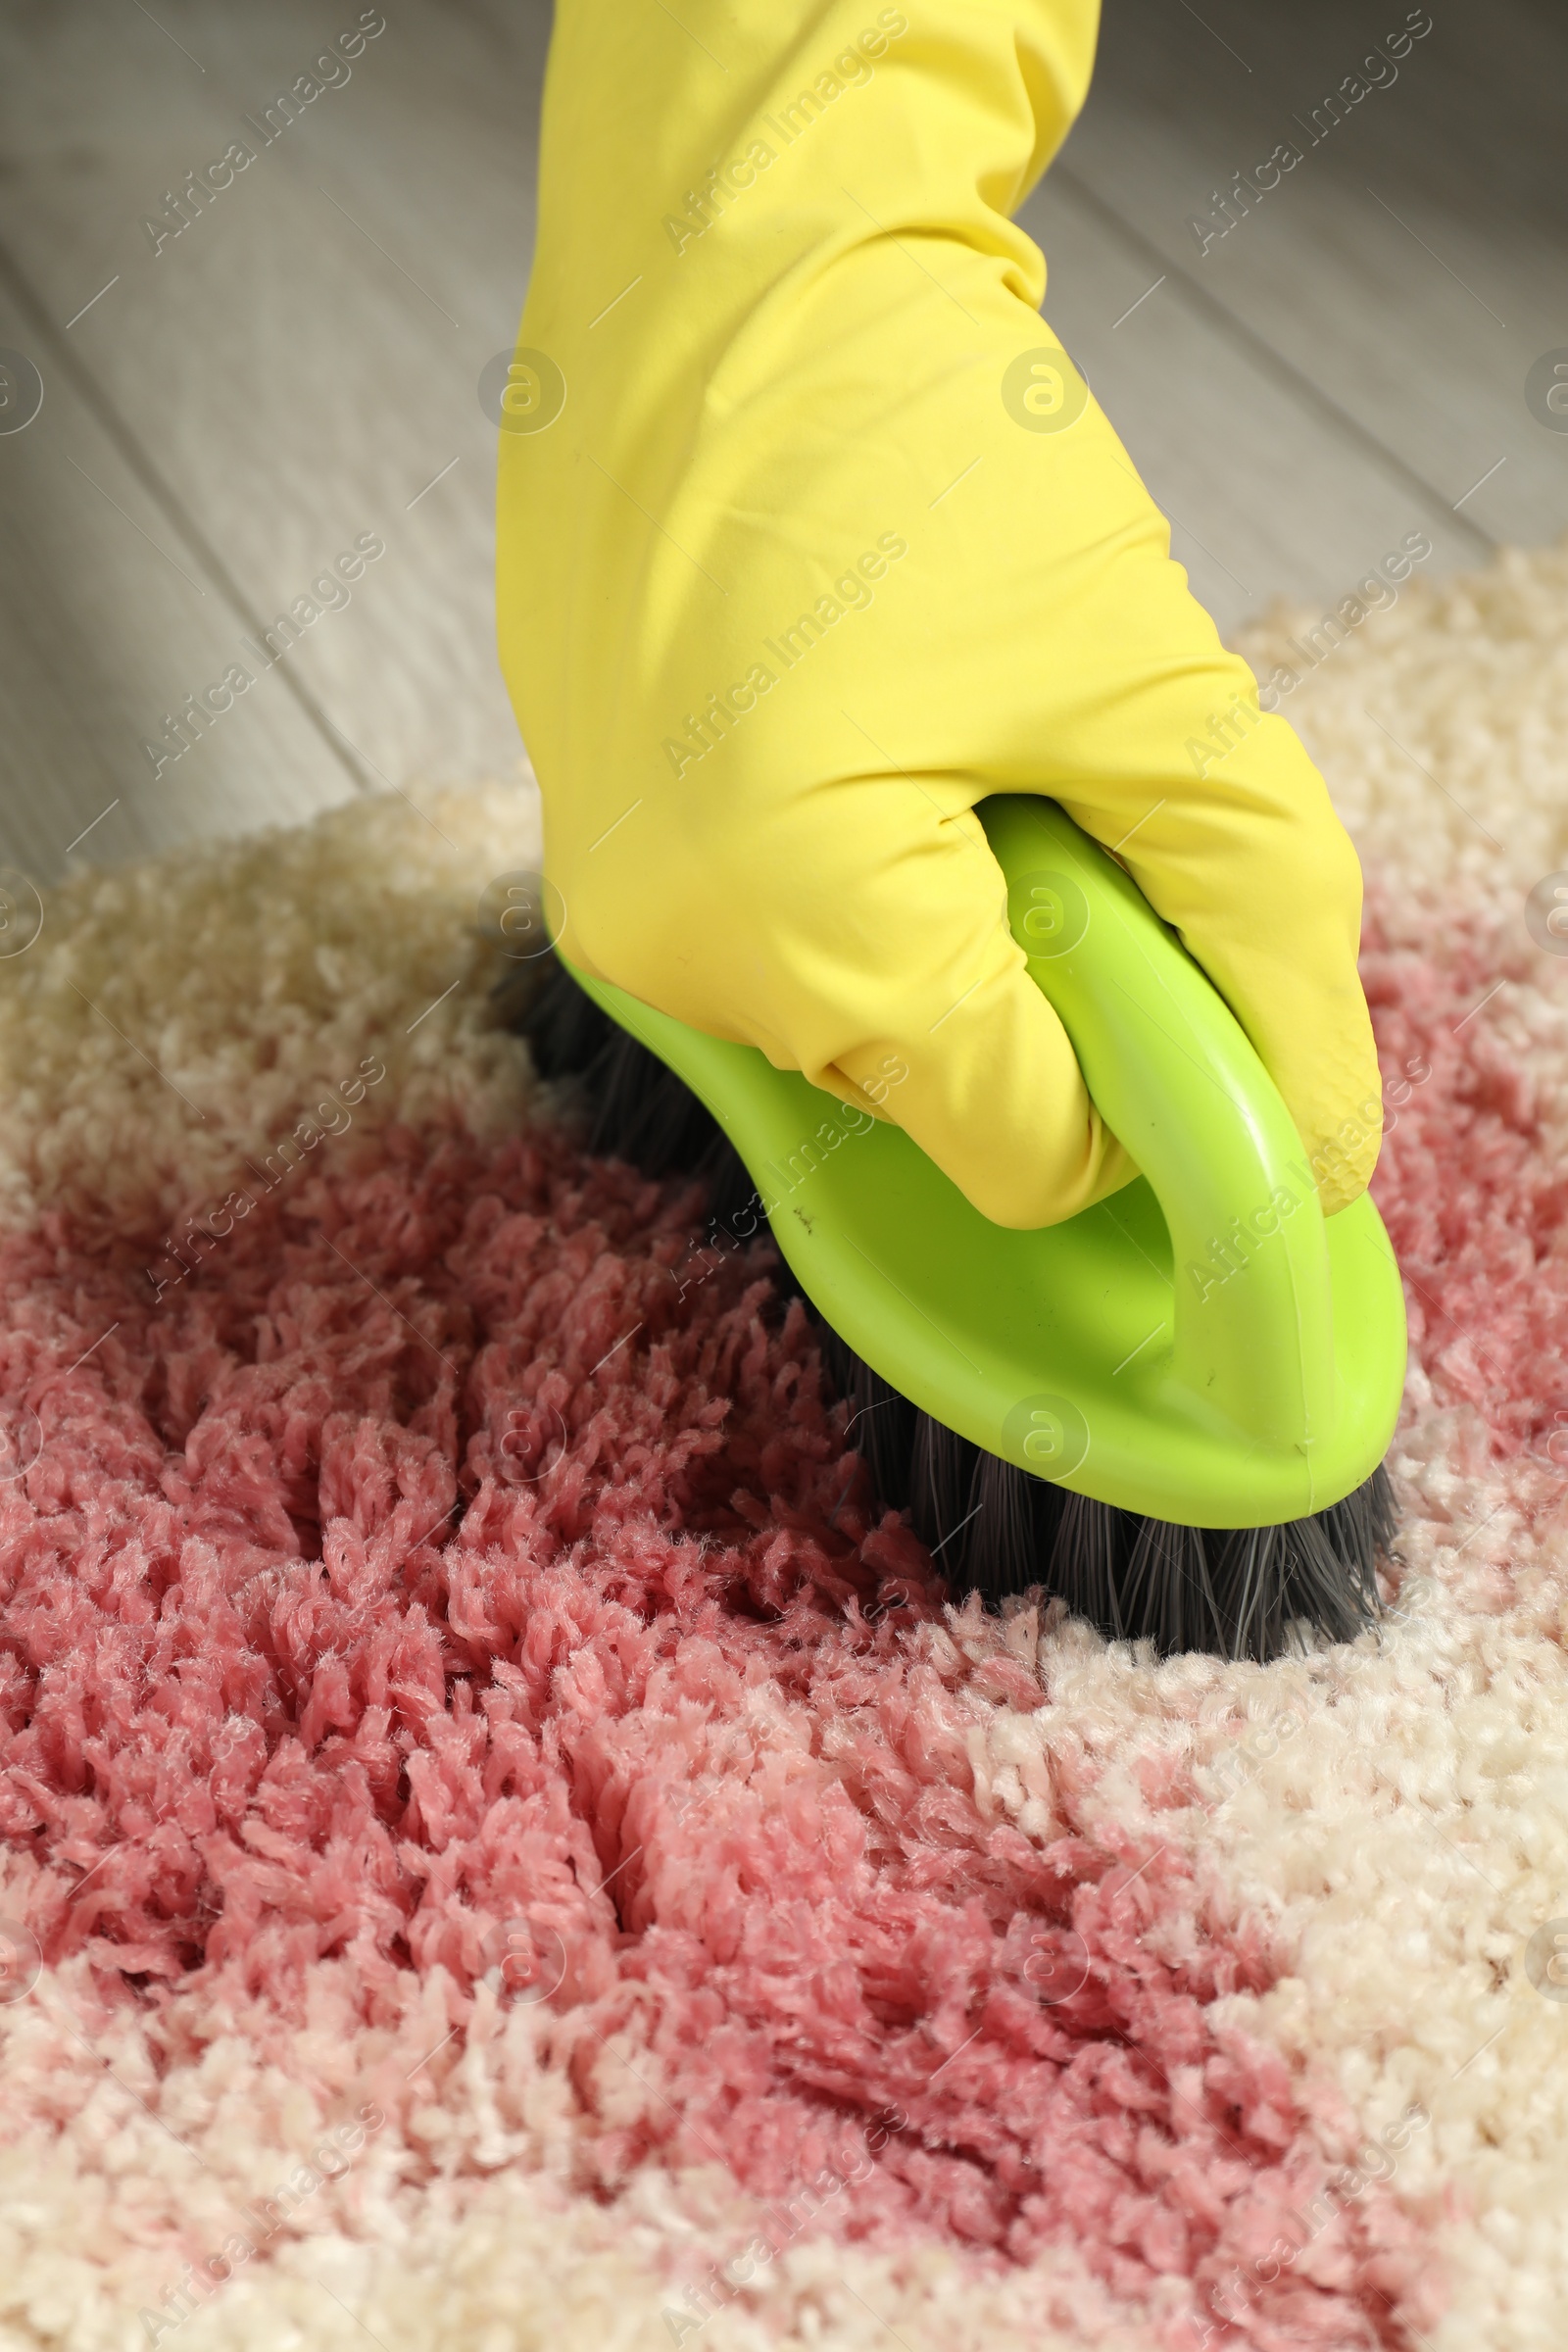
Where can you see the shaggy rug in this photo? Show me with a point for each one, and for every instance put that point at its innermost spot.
(502, 1850)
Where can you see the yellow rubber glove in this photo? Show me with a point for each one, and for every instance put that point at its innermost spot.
(809, 542)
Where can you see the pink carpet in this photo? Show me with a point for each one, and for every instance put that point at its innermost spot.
(486, 1803)
(351, 1614)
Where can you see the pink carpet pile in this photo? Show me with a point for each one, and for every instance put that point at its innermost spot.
(504, 1846)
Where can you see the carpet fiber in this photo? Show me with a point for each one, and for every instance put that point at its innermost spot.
(502, 1850)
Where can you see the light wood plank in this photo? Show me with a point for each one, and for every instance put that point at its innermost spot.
(111, 618)
(301, 362)
(1465, 147)
(1268, 494)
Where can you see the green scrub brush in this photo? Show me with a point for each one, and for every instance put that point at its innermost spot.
(1171, 1408)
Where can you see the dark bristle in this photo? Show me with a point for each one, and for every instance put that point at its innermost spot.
(1010, 1530)
(941, 1475)
(881, 1424)
(638, 1110)
(1235, 1592)
(1166, 1589)
(1250, 1590)
(1087, 1561)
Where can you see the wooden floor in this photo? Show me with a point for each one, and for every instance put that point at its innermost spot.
(298, 367)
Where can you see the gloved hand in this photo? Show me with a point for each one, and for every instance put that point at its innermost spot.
(807, 543)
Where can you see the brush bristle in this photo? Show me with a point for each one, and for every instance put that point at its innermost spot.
(1235, 1592)
(637, 1109)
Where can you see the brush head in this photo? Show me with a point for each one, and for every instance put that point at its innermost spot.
(990, 1528)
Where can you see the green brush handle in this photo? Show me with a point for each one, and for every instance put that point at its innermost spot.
(1203, 1345)
(1176, 1078)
